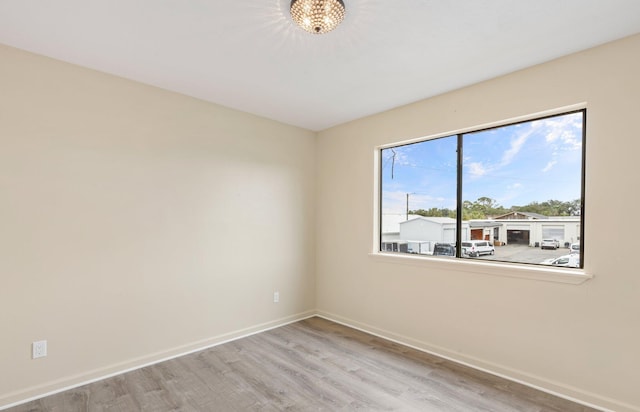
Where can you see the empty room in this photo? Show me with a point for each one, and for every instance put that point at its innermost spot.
(319, 205)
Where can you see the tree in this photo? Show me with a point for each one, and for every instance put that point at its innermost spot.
(483, 208)
(434, 212)
(552, 208)
(486, 208)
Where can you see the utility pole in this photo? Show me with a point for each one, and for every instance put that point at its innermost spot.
(407, 206)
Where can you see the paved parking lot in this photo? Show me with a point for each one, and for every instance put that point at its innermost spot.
(524, 254)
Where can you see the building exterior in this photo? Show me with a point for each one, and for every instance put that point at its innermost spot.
(419, 234)
(527, 229)
(433, 229)
(390, 225)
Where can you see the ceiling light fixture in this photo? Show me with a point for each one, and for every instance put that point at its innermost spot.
(317, 16)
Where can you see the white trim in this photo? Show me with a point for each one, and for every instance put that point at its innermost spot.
(513, 270)
(72, 382)
(560, 390)
(377, 212)
(485, 267)
(475, 363)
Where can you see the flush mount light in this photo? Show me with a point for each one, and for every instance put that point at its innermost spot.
(317, 16)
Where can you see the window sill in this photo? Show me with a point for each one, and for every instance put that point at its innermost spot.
(483, 267)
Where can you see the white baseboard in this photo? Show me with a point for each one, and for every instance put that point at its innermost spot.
(554, 388)
(564, 391)
(70, 382)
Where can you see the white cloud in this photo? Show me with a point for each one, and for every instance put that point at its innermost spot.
(477, 169)
(562, 133)
(549, 166)
(564, 130)
(420, 201)
(515, 147)
(394, 201)
(571, 141)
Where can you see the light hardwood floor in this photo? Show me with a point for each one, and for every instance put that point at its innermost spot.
(311, 365)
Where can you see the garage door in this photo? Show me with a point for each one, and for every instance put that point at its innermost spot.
(553, 232)
(449, 236)
(476, 234)
(517, 237)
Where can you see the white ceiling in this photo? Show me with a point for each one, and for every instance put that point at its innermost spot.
(249, 55)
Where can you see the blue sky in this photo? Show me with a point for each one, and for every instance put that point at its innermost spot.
(515, 165)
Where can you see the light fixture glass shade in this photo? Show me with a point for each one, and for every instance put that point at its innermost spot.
(317, 16)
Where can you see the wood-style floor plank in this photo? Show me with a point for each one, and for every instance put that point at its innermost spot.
(311, 365)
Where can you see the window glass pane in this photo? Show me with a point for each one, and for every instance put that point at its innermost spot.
(522, 186)
(418, 197)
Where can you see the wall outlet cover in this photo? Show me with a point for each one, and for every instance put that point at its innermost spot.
(39, 349)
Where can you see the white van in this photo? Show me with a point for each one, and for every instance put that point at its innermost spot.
(574, 248)
(475, 248)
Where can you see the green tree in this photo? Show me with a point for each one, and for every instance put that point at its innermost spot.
(434, 212)
(552, 208)
(486, 208)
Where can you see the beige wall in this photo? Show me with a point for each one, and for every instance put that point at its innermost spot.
(136, 223)
(579, 340)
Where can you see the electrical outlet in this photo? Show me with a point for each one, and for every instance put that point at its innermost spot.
(39, 349)
(276, 297)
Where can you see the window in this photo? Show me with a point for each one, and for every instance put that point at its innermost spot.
(512, 193)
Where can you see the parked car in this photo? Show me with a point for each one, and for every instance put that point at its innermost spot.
(574, 248)
(444, 249)
(572, 260)
(550, 244)
(475, 248)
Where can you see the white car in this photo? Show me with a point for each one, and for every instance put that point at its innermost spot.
(571, 261)
(574, 248)
(549, 244)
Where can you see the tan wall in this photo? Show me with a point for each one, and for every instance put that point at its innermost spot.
(137, 223)
(579, 340)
